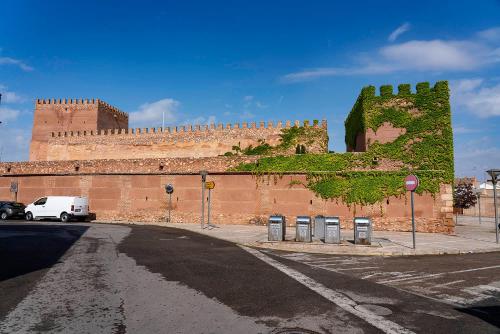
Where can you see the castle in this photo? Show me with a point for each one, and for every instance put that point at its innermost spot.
(86, 148)
(76, 129)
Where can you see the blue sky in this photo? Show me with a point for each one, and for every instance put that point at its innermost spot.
(235, 61)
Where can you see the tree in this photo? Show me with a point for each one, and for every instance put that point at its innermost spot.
(464, 196)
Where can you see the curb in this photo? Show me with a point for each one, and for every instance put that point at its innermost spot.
(328, 249)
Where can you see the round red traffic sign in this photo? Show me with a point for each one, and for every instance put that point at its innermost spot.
(411, 182)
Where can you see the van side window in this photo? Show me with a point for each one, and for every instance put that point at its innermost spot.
(41, 201)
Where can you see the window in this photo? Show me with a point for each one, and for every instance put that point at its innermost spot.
(41, 201)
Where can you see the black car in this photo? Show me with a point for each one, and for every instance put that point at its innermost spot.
(11, 210)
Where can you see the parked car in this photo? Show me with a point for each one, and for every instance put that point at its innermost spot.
(59, 207)
(11, 210)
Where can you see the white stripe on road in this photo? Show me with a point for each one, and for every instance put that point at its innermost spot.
(436, 275)
(359, 268)
(335, 297)
(446, 284)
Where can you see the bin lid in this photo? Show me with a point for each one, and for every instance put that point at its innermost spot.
(319, 218)
(304, 219)
(276, 218)
(332, 220)
(362, 220)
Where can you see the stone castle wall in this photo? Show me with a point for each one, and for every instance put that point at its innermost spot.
(237, 199)
(180, 142)
(62, 115)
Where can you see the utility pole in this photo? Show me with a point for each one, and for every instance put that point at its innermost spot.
(495, 173)
(203, 174)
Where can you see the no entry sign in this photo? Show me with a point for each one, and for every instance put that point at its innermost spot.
(411, 182)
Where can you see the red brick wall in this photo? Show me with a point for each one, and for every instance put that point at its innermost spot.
(237, 199)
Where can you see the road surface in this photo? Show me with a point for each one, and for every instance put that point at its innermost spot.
(97, 278)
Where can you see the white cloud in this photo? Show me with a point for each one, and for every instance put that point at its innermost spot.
(260, 105)
(8, 114)
(248, 98)
(476, 98)
(151, 114)
(474, 157)
(10, 97)
(14, 145)
(460, 129)
(416, 55)
(435, 55)
(200, 120)
(11, 61)
(398, 32)
(492, 34)
(247, 115)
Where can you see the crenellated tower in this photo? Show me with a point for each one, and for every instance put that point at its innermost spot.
(65, 115)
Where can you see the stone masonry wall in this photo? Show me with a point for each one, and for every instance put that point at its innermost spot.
(63, 115)
(237, 198)
(179, 142)
(126, 166)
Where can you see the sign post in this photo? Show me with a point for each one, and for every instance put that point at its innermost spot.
(14, 187)
(203, 174)
(411, 184)
(169, 189)
(209, 185)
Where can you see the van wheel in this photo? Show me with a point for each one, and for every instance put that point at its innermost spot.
(64, 217)
(28, 216)
(4, 216)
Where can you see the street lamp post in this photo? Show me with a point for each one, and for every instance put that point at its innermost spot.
(495, 173)
(478, 194)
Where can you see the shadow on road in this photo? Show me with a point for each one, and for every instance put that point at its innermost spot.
(490, 314)
(27, 252)
(27, 248)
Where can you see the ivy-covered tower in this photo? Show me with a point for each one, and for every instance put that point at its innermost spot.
(411, 128)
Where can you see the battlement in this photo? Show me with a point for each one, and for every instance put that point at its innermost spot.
(192, 128)
(364, 124)
(422, 88)
(96, 102)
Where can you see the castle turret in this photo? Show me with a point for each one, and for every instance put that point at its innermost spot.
(65, 115)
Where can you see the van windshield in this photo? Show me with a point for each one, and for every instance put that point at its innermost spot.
(41, 201)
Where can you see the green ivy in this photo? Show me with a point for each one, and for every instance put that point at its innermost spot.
(303, 136)
(426, 147)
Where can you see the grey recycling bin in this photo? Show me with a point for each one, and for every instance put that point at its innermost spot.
(319, 227)
(362, 231)
(276, 228)
(332, 230)
(303, 229)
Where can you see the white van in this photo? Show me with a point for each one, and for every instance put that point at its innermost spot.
(61, 207)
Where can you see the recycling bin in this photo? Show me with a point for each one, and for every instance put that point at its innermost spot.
(362, 231)
(303, 229)
(276, 228)
(319, 227)
(332, 230)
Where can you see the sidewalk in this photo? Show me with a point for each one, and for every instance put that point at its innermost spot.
(470, 237)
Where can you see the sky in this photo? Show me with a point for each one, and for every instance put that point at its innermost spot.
(244, 61)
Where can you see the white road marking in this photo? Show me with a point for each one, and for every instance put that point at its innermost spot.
(436, 275)
(358, 268)
(371, 275)
(446, 284)
(335, 297)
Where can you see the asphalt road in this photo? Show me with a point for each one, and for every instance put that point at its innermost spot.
(92, 278)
